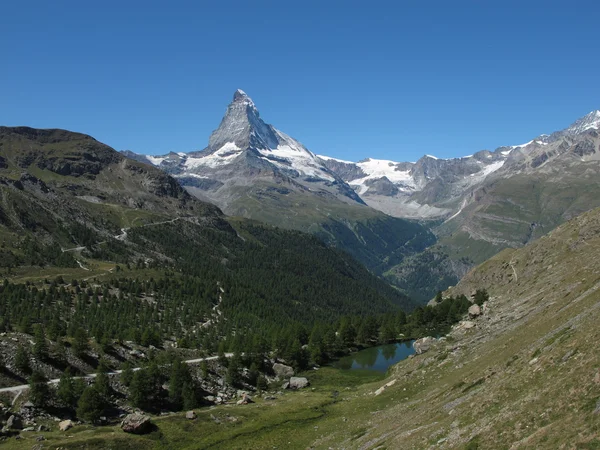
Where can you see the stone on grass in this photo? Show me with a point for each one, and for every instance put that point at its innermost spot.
(191, 415)
(136, 424)
(298, 383)
(65, 425)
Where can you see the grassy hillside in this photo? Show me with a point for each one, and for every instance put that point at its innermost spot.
(377, 240)
(525, 375)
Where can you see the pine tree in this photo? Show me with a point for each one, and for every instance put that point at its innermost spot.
(190, 397)
(39, 392)
(127, 374)
(65, 390)
(102, 382)
(233, 370)
(40, 346)
(180, 376)
(22, 360)
(204, 369)
(90, 405)
(80, 342)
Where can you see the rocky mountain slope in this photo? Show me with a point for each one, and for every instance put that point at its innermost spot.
(72, 205)
(484, 202)
(253, 170)
(523, 373)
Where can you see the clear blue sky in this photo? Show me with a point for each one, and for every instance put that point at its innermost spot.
(391, 80)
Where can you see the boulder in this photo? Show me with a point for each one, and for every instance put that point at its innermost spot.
(245, 400)
(474, 311)
(467, 324)
(283, 371)
(285, 385)
(423, 344)
(190, 415)
(298, 383)
(136, 424)
(385, 386)
(14, 423)
(65, 425)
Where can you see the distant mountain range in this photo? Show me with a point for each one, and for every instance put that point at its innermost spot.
(475, 205)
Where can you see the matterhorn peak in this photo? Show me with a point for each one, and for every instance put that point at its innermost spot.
(240, 96)
(242, 126)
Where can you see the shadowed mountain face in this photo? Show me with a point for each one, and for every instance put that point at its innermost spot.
(72, 205)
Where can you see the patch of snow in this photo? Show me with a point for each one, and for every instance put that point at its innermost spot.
(224, 155)
(379, 168)
(329, 158)
(187, 174)
(522, 145)
(492, 168)
(299, 159)
(462, 206)
(431, 156)
(156, 160)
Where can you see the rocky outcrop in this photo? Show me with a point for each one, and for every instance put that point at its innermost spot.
(474, 311)
(424, 344)
(136, 424)
(283, 371)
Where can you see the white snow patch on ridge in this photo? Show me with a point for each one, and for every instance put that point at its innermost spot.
(156, 160)
(224, 155)
(379, 168)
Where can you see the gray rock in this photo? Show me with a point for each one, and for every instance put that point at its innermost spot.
(424, 344)
(136, 424)
(14, 423)
(283, 371)
(28, 429)
(474, 311)
(190, 415)
(245, 400)
(285, 385)
(298, 382)
(65, 425)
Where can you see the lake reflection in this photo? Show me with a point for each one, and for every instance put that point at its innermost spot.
(376, 358)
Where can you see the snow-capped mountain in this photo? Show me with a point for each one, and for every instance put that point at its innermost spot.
(434, 187)
(244, 151)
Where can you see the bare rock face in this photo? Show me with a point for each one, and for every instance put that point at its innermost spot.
(298, 383)
(136, 424)
(474, 311)
(422, 345)
(283, 371)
